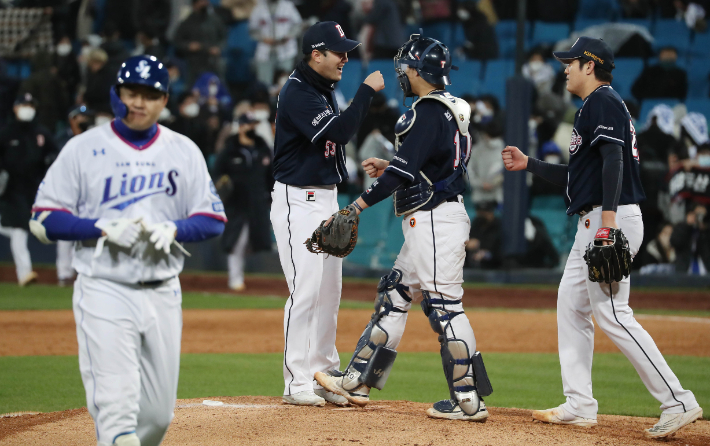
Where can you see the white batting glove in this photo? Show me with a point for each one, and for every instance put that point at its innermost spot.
(123, 232)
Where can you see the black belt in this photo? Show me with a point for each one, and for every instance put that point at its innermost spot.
(587, 209)
(454, 199)
(153, 282)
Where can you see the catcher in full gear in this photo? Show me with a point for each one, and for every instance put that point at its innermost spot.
(603, 187)
(427, 177)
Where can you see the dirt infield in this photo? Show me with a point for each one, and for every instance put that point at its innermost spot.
(265, 421)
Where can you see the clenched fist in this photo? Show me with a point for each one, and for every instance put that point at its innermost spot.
(374, 167)
(514, 159)
(375, 81)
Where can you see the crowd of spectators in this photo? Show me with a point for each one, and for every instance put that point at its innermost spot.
(69, 85)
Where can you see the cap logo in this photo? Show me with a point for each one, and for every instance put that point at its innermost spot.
(594, 56)
(340, 30)
(144, 69)
(317, 45)
(443, 62)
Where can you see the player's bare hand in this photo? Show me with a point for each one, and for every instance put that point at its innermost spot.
(374, 167)
(375, 81)
(514, 159)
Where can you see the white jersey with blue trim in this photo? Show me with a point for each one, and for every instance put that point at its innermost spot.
(98, 174)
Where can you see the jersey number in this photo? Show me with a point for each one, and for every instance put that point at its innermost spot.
(463, 149)
(329, 149)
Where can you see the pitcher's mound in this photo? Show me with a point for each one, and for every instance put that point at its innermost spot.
(266, 421)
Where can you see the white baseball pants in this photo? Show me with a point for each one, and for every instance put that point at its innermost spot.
(20, 252)
(235, 259)
(578, 299)
(314, 282)
(129, 355)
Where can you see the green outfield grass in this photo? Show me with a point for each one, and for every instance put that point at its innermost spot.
(522, 380)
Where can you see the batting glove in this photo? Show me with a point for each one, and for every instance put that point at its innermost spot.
(123, 232)
(162, 235)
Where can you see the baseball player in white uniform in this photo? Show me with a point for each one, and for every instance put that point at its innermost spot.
(427, 177)
(603, 187)
(126, 192)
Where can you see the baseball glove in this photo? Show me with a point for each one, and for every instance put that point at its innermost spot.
(339, 237)
(608, 263)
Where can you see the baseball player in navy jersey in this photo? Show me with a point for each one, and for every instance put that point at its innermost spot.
(603, 188)
(427, 176)
(309, 161)
(126, 192)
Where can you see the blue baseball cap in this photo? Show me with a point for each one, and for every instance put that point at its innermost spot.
(327, 36)
(588, 48)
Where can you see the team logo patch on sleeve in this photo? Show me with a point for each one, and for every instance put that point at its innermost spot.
(575, 142)
(586, 223)
(310, 195)
(412, 222)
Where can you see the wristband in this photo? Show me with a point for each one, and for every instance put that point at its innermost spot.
(357, 206)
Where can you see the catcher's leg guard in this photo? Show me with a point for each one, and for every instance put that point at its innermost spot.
(372, 361)
(458, 363)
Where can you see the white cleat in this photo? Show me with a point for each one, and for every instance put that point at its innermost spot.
(305, 398)
(31, 277)
(558, 415)
(334, 384)
(128, 440)
(449, 410)
(333, 398)
(671, 422)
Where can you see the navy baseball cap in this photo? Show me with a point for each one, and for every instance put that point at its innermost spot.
(327, 36)
(588, 48)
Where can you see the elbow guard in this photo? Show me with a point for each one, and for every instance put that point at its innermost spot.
(37, 227)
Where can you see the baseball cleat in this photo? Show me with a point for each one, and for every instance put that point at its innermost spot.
(305, 398)
(558, 415)
(333, 398)
(332, 381)
(28, 279)
(450, 410)
(671, 422)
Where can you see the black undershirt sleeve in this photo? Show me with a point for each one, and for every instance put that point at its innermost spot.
(554, 173)
(385, 185)
(344, 127)
(612, 175)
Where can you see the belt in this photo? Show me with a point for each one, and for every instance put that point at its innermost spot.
(153, 282)
(454, 199)
(587, 209)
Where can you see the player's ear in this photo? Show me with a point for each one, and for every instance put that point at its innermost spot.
(165, 99)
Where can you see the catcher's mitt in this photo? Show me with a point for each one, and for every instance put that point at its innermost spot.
(608, 263)
(337, 238)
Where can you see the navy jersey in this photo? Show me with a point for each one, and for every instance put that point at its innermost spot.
(434, 147)
(301, 156)
(602, 119)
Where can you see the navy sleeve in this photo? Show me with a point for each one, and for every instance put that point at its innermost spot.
(424, 134)
(382, 188)
(606, 120)
(315, 119)
(554, 173)
(612, 175)
(198, 228)
(65, 226)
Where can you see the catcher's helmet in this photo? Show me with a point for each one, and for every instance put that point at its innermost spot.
(139, 70)
(428, 56)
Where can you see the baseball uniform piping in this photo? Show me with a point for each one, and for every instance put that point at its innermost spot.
(642, 350)
(288, 322)
(88, 353)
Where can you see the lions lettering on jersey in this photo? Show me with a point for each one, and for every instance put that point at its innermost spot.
(136, 185)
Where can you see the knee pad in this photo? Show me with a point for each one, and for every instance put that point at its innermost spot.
(435, 310)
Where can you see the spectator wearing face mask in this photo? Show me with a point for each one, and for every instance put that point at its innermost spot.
(188, 121)
(26, 152)
(485, 170)
(243, 177)
(663, 80)
(68, 70)
(481, 41)
(550, 152)
(261, 111)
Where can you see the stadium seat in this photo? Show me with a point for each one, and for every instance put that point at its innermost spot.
(645, 23)
(648, 104)
(506, 32)
(557, 222)
(698, 70)
(496, 74)
(585, 22)
(627, 71)
(239, 53)
(372, 232)
(352, 78)
(548, 202)
(441, 31)
(598, 9)
(669, 32)
(459, 37)
(467, 79)
(699, 105)
(548, 33)
(700, 45)
(238, 36)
